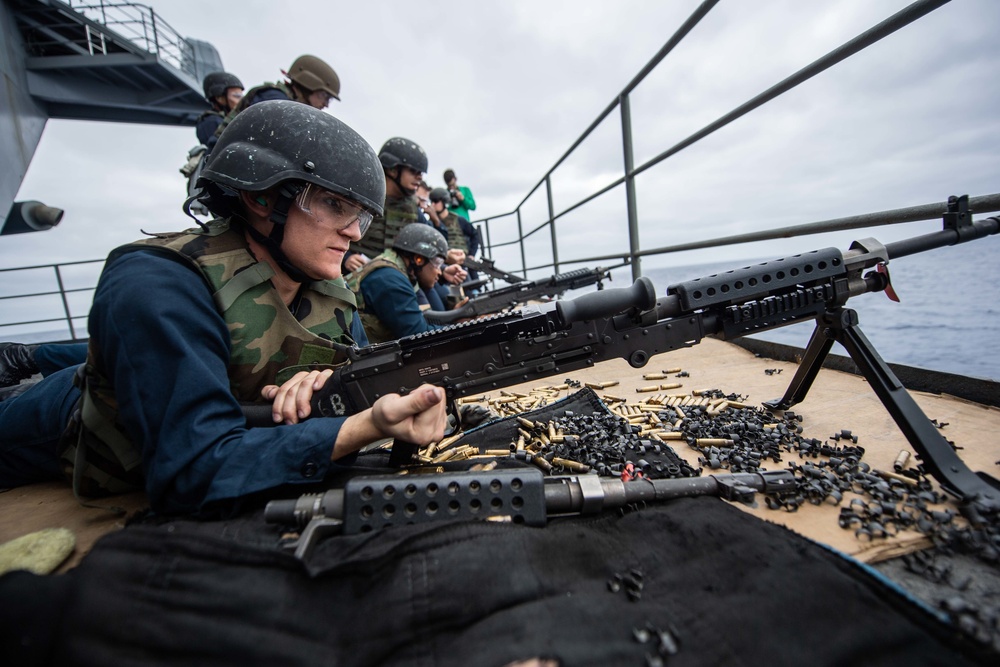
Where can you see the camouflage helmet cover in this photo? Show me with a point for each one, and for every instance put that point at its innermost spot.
(216, 84)
(280, 140)
(402, 152)
(314, 74)
(421, 239)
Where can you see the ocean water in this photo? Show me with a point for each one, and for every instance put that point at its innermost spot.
(948, 317)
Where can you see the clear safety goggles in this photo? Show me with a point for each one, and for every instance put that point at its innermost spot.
(323, 205)
(437, 262)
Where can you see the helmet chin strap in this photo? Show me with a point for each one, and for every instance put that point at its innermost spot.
(279, 215)
(395, 179)
(413, 268)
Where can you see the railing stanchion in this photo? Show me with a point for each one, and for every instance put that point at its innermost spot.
(520, 240)
(552, 225)
(65, 302)
(633, 217)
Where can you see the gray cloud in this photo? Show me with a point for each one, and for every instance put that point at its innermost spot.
(498, 91)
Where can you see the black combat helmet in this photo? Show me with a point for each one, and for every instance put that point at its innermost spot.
(217, 83)
(314, 74)
(421, 239)
(278, 141)
(286, 143)
(440, 194)
(403, 152)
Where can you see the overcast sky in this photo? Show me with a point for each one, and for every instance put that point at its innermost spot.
(499, 90)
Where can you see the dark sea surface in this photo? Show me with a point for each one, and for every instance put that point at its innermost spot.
(948, 318)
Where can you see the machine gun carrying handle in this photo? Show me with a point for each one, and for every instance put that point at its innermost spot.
(641, 296)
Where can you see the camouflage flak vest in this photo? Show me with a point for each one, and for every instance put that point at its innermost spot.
(267, 345)
(375, 329)
(456, 239)
(399, 212)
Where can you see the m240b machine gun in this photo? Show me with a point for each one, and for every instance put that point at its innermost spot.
(633, 324)
(487, 266)
(520, 293)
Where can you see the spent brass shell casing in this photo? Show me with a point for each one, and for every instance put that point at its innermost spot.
(450, 440)
(899, 478)
(654, 376)
(670, 435)
(471, 399)
(901, 460)
(594, 385)
(671, 385)
(712, 442)
(671, 371)
(571, 465)
(526, 423)
(542, 463)
(609, 383)
(612, 399)
(443, 456)
(647, 389)
(497, 452)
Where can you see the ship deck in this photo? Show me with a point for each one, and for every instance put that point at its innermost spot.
(837, 401)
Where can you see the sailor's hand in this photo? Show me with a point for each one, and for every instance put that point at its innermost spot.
(290, 403)
(355, 262)
(459, 305)
(455, 256)
(454, 274)
(419, 417)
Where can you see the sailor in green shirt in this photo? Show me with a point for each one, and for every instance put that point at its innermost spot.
(462, 201)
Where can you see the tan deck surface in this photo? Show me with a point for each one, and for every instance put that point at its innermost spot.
(836, 401)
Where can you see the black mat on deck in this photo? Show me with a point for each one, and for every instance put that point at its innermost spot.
(735, 590)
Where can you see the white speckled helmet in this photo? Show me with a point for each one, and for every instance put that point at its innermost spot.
(402, 152)
(278, 141)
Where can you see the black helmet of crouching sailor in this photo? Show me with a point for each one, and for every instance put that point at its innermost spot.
(421, 240)
(440, 194)
(215, 84)
(286, 145)
(400, 152)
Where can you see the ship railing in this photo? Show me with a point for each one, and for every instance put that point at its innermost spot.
(71, 284)
(138, 24)
(61, 299)
(621, 103)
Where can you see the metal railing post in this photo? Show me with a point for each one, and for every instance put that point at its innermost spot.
(65, 302)
(633, 216)
(520, 240)
(552, 226)
(156, 37)
(488, 250)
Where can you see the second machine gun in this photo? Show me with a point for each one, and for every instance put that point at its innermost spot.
(505, 298)
(633, 324)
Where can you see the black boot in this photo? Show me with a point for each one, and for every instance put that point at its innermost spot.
(17, 362)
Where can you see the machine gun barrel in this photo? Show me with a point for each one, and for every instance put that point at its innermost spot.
(521, 495)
